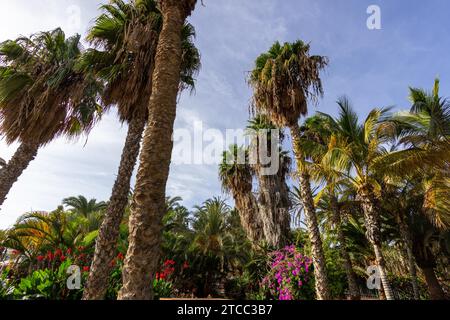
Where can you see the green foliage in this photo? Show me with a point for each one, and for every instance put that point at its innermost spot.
(6, 286)
(47, 284)
(162, 289)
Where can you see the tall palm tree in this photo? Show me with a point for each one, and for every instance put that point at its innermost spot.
(42, 97)
(236, 176)
(148, 205)
(283, 80)
(83, 206)
(424, 132)
(357, 147)
(126, 36)
(274, 202)
(318, 143)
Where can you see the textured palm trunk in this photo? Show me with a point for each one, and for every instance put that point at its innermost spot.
(10, 173)
(251, 221)
(106, 244)
(318, 256)
(408, 245)
(373, 234)
(148, 207)
(348, 267)
(433, 285)
(274, 209)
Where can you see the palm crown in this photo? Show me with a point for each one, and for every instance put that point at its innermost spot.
(41, 94)
(284, 78)
(125, 37)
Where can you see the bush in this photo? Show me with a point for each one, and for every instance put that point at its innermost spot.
(289, 274)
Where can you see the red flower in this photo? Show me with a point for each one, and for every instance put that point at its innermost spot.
(186, 265)
(120, 256)
(69, 252)
(62, 258)
(169, 263)
(58, 252)
(50, 256)
(40, 258)
(86, 269)
(157, 276)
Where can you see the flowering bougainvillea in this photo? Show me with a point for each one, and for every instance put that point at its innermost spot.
(289, 272)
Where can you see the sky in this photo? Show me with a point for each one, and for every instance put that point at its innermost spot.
(374, 68)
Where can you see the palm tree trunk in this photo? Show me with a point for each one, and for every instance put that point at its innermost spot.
(106, 244)
(348, 267)
(433, 285)
(383, 274)
(318, 256)
(274, 210)
(373, 234)
(408, 244)
(249, 214)
(148, 205)
(15, 167)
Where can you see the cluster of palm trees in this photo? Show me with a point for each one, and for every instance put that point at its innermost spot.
(363, 165)
(141, 57)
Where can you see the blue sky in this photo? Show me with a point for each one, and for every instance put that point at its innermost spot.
(373, 67)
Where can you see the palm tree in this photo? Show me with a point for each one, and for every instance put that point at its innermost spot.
(42, 97)
(318, 143)
(83, 206)
(426, 238)
(37, 232)
(425, 132)
(236, 176)
(274, 203)
(126, 36)
(213, 243)
(400, 201)
(355, 152)
(148, 206)
(283, 80)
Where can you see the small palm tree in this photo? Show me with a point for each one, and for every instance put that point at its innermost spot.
(283, 80)
(42, 97)
(84, 207)
(214, 248)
